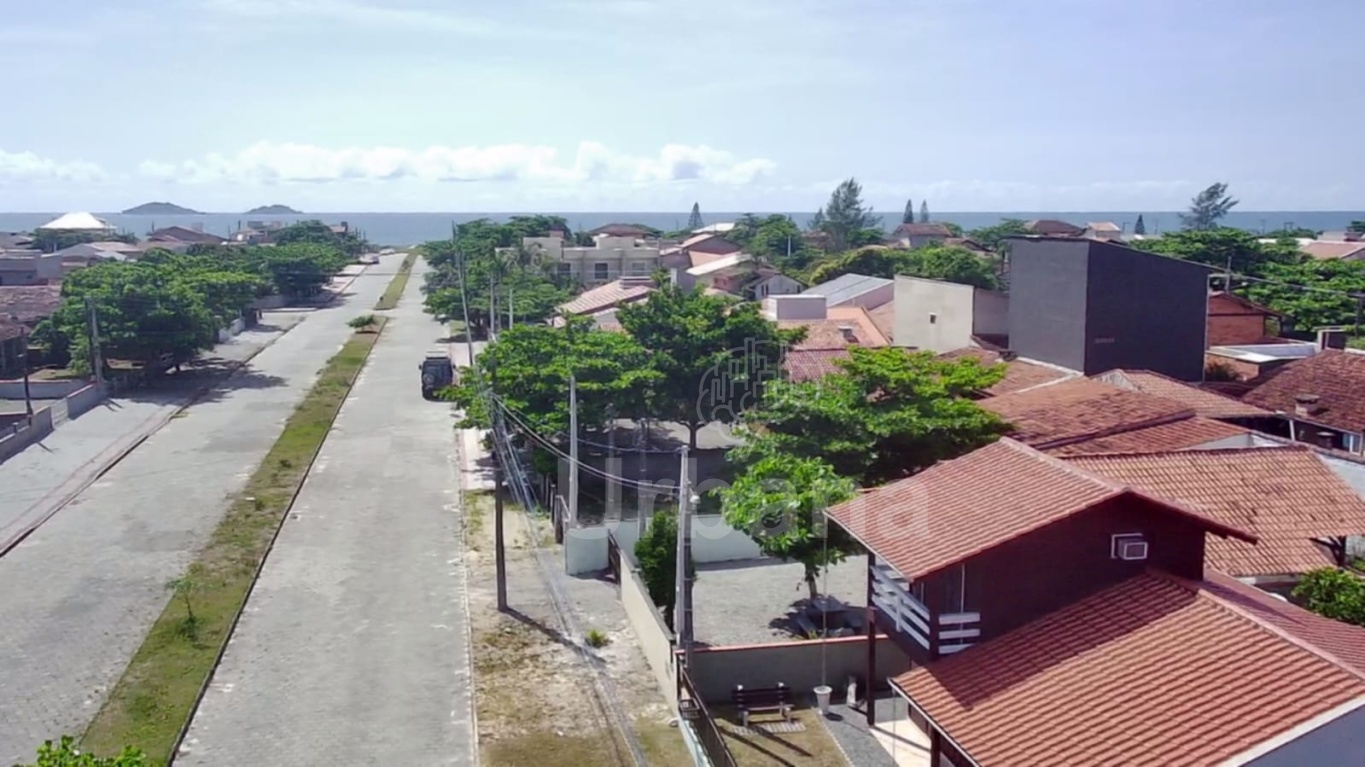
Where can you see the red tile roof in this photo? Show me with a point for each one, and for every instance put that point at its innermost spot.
(602, 297)
(957, 509)
(922, 230)
(1154, 670)
(1019, 374)
(1203, 402)
(29, 303)
(1329, 251)
(1285, 495)
(1336, 377)
(827, 333)
(1185, 434)
(1080, 409)
(812, 364)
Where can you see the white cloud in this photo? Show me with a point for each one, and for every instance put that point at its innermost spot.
(29, 167)
(268, 163)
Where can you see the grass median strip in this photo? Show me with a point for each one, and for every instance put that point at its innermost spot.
(398, 284)
(158, 692)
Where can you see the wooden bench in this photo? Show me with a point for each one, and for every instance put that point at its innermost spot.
(761, 699)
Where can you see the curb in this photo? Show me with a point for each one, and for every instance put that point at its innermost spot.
(265, 557)
(194, 397)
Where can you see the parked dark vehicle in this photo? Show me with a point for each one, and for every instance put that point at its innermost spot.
(437, 373)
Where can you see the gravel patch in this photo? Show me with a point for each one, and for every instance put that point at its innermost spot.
(748, 601)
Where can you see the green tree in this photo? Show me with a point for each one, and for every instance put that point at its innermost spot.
(951, 263)
(1333, 593)
(777, 241)
(712, 356)
(888, 414)
(529, 366)
(657, 554)
(1291, 233)
(924, 212)
(994, 237)
(1208, 208)
(694, 221)
(845, 216)
(875, 261)
(908, 217)
(50, 241)
(317, 233)
(65, 754)
(1334, 299)
(1221, 248)
(780, 501)
(1140, 227)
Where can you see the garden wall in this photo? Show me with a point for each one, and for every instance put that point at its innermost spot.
(801, 665)
(650, 631)
(585, 548)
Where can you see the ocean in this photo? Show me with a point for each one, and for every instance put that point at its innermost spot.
(401, 229)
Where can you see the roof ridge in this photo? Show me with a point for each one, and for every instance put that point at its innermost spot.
(1184, 453)
(1200, 590)
(1123, 428)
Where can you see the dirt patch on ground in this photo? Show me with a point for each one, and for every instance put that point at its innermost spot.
(539, 701)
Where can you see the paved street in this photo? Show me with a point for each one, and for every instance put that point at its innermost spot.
(77, 597)
(353, 648)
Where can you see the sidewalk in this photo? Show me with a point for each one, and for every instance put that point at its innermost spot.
(49, 472)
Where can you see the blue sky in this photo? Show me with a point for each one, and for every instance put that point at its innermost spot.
(453, 105)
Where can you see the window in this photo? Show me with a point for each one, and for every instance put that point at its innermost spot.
(640, 268)
(1354, 443)
(955, 590)
(601, 271)
(565, 270)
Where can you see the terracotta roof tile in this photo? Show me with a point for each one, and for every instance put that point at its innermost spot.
(29, 303)
(957, 509)
(1333, 250)
(1153, 670)
(1185, 434)
(1336, 377)
(1080, 409)
(827, 333)
(922, 230)
(812, 364)
(606, 296)
(1203, 402)
(1285, 495)
(1019, 374)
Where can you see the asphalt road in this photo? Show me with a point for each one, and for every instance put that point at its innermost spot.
(78, 596)
(353, 647)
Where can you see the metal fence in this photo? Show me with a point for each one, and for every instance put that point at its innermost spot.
(692, 710)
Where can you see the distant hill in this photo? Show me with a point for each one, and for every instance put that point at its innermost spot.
(273, 210)
(161, 209)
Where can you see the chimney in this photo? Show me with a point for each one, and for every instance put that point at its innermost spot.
(848, 333)
(1326, 439)
(1305, 405)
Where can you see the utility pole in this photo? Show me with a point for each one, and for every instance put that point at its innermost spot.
(613, 467)
(573, 449)
(682, 611)
(96, 361)
(501, 554)
(23, 345)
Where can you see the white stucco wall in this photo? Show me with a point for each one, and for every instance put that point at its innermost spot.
(932, 315)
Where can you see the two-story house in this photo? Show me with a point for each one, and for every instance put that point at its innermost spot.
(608, 259)
(1056, 616)
(918, 235)
(1322, 397)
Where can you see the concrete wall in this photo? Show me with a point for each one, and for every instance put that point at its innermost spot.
(585, 548)
(81, 401)
(932, 315)
(874, 298)
(655, 640)
(42, 389)
(1048, 284)
(13, 440)
(716, 670)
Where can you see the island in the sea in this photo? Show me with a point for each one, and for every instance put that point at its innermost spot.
(273, 210)
(160, 209)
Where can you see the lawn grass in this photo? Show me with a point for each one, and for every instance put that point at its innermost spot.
(753, 748)
(158, 692)
(398, 284)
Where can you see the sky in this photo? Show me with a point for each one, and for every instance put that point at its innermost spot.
(651, 105)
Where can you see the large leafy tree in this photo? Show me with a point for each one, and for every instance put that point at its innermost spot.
(1313, 293)
(774, 240)
(1208, 208)
(1222, 248)
(529, 366)
(874, 261)
(1333, 593)
(713, 357)
(889, 413)
(953, 264)
(780, 501)
(994, 236)
(347, 244)
(846, 219)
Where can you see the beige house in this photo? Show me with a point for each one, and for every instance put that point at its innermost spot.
(609, 258)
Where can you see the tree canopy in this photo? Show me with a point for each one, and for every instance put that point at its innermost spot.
(993, 237)
(317, 233)
(950, 263)
(888, 414)
(1220, 247)
(1141, 226)
(774, 240)
(713, 357)
(1208, 208)
(846, 219)
(657, 554)
(780, 501)
(1333, 593)
(1335, 299)
(924, 211)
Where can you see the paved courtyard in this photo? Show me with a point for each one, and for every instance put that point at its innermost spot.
(353, 649)
(77, 596)
(747, 601)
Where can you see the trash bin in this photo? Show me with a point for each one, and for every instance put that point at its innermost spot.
(822, 698)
